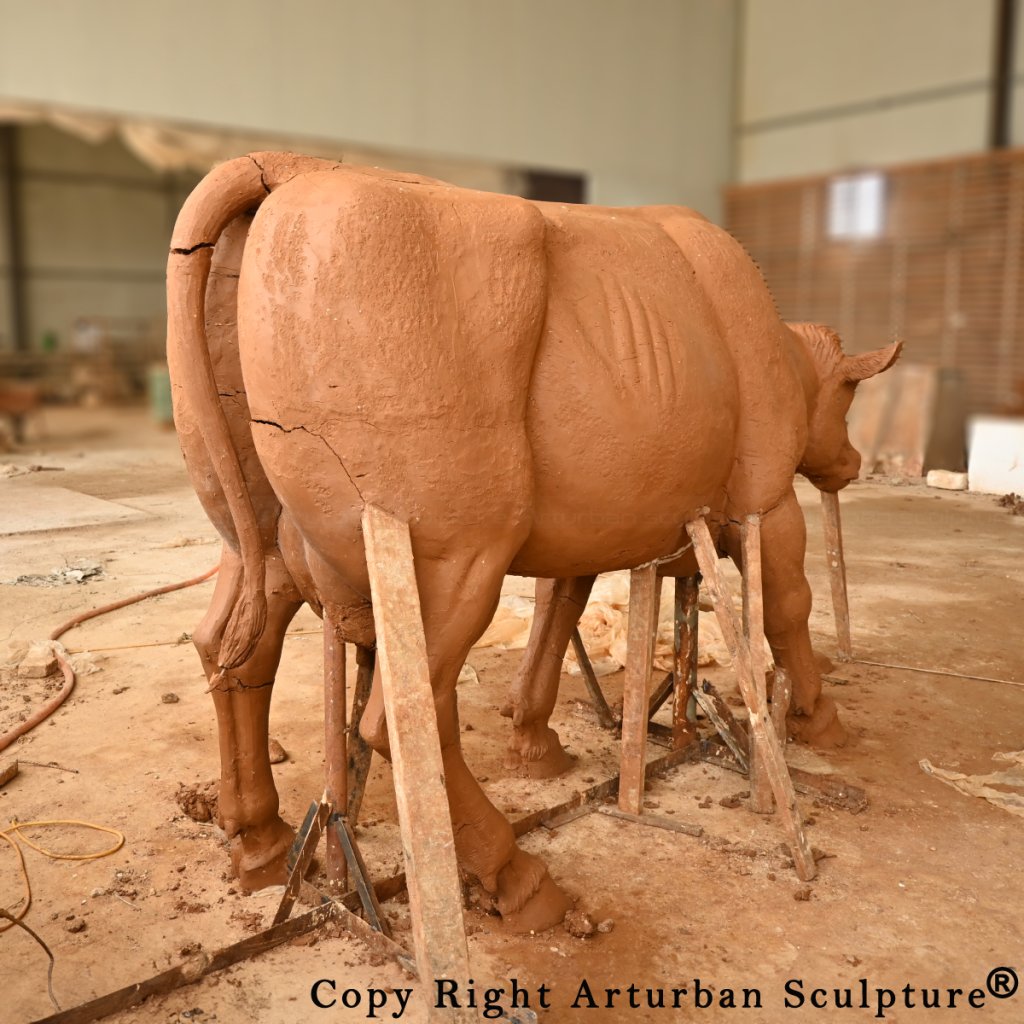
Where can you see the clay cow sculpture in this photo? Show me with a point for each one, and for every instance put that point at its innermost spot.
(539, 389)
(535, 747)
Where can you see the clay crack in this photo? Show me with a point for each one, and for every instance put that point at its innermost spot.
(322, 440)
(222, 683)
(192, 249)
(263, 177)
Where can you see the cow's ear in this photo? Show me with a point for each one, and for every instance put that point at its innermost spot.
(867, 364)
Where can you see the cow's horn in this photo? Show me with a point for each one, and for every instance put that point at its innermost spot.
(867, 364)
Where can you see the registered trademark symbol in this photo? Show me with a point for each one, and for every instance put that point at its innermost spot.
(1002, 982)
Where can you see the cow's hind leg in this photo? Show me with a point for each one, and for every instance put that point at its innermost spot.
(458, 597)
(535, 746)
(248, 805)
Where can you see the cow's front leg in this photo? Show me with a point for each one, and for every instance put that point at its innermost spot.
(458, 598)
(787, 608)
(535, 746)
(248, 803)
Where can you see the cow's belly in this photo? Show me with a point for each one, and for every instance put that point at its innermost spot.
(633, 402)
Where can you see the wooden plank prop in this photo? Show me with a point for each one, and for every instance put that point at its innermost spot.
(763, 736)
(335, 735)
(684, 660)
(782, 694)
(435, 895)
(837, 572)
(643, 621)
(753, 631)
(600, 705)
(360, 753)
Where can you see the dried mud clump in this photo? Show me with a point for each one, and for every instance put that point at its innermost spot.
(579, 923)
(1012, 501)
(198, 801)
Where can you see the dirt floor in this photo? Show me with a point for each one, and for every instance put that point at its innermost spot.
(922, 888)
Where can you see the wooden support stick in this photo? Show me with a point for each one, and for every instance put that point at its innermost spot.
(660, 694)
(775, 762)
(435, 894)
(335, 730)
(643, 620)
(360, 753)
(684, 660)
(837, 572)
(604, 713)
(753, 631)
(782, 694)
(722, 718)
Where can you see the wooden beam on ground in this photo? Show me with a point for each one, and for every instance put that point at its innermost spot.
(684, 660)
(829, 789)
(836, 560)
(432, 876)
(340, 913)
(643, 621)
(335, 730)
(187, 973)
(8, 772)
(599, 791)
(654, 820)
(775, 762)
(597, 699)
(753, 631)
(360, 753)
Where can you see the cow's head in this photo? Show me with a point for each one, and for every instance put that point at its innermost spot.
(830, 462)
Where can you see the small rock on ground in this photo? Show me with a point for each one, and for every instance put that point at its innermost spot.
(579, 923)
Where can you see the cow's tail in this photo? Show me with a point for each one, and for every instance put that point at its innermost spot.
(226, 192)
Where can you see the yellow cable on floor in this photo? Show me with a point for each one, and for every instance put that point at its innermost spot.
(14, 833)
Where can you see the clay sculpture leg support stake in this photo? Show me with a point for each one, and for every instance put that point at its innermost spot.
(684, 660)
(597, 699)
(335, 729)
(837, 571)
(360, 753)
(762, 734)
(435, 895)
(643, 620)
(753, 632)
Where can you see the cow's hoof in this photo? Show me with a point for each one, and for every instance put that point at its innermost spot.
(821, 728)
(536, 752)
(528, 898)
(260, 855)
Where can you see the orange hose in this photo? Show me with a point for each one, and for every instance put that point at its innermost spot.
(65, 666)
(85, 616)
